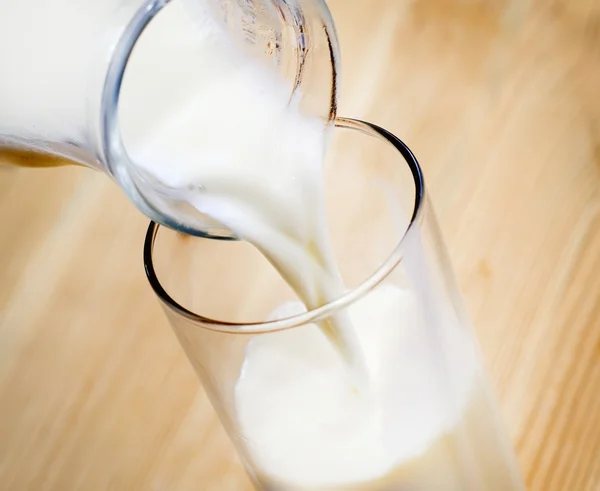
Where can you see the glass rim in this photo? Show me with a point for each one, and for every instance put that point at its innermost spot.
(324, 311)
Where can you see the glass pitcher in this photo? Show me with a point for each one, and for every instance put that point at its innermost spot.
(64, 64)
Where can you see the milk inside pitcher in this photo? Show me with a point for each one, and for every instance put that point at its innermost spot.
(79, 76)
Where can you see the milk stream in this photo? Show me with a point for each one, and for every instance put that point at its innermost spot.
(235, 147)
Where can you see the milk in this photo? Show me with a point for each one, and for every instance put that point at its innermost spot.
(308, 427)
(359, 401)
(315, 405)
(236, 146)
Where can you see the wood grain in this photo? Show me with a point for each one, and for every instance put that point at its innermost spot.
(499, 100)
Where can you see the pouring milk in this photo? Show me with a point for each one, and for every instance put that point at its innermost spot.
(311, 402)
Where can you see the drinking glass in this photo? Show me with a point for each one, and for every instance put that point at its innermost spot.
(430, 421)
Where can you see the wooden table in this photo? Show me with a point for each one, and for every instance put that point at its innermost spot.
(500, 102)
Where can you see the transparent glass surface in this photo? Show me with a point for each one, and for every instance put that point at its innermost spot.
(77, 75)
(430, 423)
